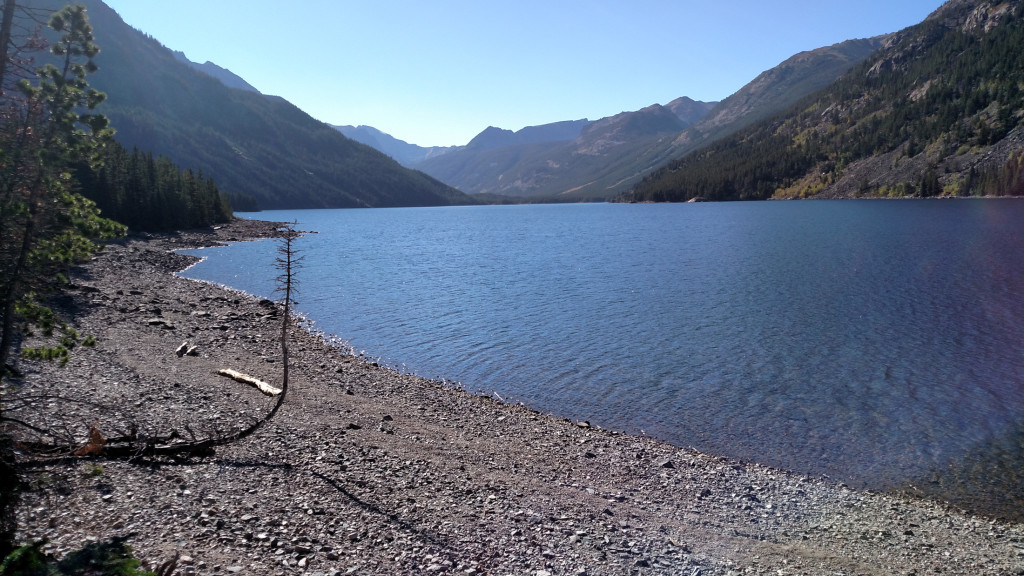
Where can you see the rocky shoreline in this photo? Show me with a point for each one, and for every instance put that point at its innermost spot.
(369, 471)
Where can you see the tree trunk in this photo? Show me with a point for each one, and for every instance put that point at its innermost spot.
(5, 39)
(10, 295)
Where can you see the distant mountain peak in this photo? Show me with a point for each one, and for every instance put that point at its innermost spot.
(405, 153)
(494, 137)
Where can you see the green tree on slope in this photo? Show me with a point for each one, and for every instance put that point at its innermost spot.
(46, 126)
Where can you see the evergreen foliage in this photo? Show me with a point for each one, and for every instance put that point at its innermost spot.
(151, 194)
(942, 88)
(46, 127)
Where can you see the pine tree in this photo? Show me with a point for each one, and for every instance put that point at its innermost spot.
(46, 127)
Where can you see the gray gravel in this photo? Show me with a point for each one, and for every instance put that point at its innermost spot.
(368, 471)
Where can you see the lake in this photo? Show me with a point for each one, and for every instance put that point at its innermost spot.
(875, 342)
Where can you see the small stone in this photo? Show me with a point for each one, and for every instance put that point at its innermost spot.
(667, 464)
(180, 351)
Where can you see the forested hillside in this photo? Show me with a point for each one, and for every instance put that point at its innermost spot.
(937, 111)
(259, 149)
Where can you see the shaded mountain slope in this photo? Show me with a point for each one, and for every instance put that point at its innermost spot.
(227, 77)
(254, 146)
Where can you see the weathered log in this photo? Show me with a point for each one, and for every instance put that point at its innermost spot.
(246, 379)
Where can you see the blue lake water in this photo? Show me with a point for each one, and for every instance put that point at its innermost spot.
(876, 342)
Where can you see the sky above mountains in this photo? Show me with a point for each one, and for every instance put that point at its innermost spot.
(437, 73)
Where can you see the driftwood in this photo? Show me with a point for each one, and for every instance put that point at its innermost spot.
(246, 379)
(134, 445)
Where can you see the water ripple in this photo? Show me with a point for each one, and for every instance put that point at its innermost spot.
(872, 341)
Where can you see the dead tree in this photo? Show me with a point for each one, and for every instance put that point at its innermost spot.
(131, 444)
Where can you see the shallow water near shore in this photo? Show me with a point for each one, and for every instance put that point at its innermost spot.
(875, 342)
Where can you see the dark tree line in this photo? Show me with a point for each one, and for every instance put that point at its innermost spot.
(151, 193)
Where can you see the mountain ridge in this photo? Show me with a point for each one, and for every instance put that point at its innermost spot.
(938, 110)
(227, 77)
(405, 153)
(613, 153)
(261, 150)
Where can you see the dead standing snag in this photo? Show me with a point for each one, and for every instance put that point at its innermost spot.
(176, 443)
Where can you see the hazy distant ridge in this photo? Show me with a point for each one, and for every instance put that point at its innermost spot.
(405, 153)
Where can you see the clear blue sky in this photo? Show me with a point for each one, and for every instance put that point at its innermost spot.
(437, 72)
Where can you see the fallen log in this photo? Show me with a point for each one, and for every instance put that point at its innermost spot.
(252, 381)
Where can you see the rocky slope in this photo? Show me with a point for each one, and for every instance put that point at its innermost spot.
(369, 471)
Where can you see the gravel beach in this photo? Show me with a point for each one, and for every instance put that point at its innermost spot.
(369, 471)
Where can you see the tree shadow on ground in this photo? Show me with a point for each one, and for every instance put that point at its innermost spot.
(391, 517)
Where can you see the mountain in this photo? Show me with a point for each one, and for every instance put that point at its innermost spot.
(938, 110)
(690, 111)
(406, 154)
(493, 137)
(259, 149)
(775, 90)
(227, 77)
(610, 155)
(554, 159)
